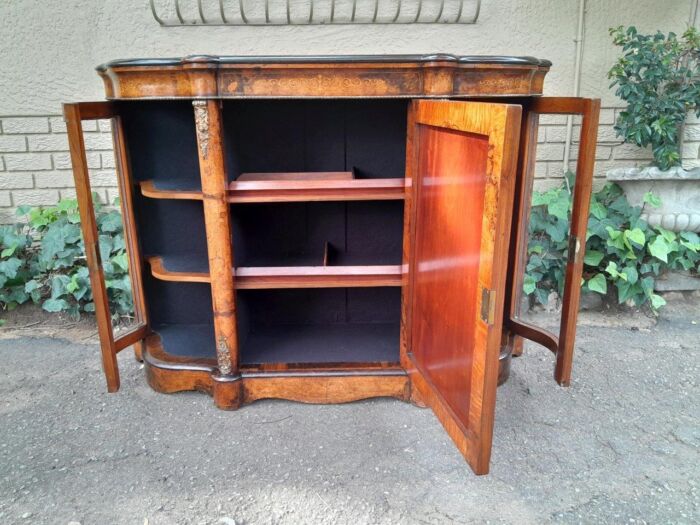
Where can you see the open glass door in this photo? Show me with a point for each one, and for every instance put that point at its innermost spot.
(110, 343)
(462, 163)
(561, 344)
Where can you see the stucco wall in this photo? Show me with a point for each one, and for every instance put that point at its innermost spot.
(48, 52)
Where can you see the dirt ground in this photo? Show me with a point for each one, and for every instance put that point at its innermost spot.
(621, 445)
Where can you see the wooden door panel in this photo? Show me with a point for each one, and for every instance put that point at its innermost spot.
(463, 169)
(452, 166)
(110, 344)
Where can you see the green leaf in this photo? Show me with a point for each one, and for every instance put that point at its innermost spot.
(598, 210)
(636, 236)
(110, 222)
(31, 286)
(657, 301)
(691, 237)
(55, 305)
(652, 200)
(659, 248)
(54, 241)
(106, 246)
(73, 285)
(631, 274)
(611, 269)
(529, 284)
(59, 286)
(557, 230)
(8, 252)
(598, 284)
(593, 257)
(121, 261)
(10, 267)
(559, 207)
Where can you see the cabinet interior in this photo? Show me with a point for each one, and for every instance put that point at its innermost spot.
(305, 324)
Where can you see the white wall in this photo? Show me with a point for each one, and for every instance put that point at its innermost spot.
(49, 49)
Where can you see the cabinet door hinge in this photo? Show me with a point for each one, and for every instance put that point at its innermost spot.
(488, 306)
(95, 261)
(574, 249)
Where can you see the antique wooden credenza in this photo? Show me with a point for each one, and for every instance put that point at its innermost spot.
(327, 229)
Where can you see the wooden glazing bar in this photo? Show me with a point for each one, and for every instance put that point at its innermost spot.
(126, 188)
(76, 143)
(408, 235)
(564, 344)
(130, 337)
(207, 116)
(534, 333)
(521, 213)
(577, 236)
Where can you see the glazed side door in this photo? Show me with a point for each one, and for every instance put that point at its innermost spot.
(461, 161)
(517, 329)
(110, 342)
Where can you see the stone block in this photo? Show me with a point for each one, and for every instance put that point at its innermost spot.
(19, 180)
(57, 124)
(54, 179)
(61, 161)
(24, 125)
(36, 197)
(550, 152)
(98, 141)
(12, 143)
(27, 161)
(58, 142)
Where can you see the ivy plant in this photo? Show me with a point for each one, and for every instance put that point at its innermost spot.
(622, 250)
(659, 77)
(43, 260)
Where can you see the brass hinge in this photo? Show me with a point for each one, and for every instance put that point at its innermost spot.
(574, 248)
(488, 306)
(95, 261)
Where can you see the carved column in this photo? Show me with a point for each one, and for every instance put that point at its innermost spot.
(207, 116)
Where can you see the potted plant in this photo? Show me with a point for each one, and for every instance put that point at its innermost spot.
(658, 76)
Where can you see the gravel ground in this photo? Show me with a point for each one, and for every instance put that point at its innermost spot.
(619, 446)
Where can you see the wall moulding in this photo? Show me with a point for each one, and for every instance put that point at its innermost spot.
(192, 13)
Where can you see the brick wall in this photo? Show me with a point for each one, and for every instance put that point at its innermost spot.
(35, 165)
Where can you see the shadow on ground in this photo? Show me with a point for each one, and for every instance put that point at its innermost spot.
(619, 446)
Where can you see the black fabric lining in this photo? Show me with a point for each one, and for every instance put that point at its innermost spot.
(293, 326)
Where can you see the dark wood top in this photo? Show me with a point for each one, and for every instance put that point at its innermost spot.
(326, 59)
(339, 76)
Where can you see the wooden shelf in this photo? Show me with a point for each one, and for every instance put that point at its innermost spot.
(277, 277)
(369, 344)
(308, 190)
(149, 189)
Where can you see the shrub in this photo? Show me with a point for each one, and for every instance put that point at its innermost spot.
(43, 260)
(659, 78)
(621, 248)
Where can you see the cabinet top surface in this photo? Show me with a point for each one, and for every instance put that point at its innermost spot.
(326, 59)
(324, 76)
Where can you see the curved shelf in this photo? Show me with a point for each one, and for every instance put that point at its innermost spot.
(149, 189)
(249, 191)
(278, 277)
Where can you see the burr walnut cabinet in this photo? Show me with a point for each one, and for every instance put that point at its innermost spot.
(328, 229)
